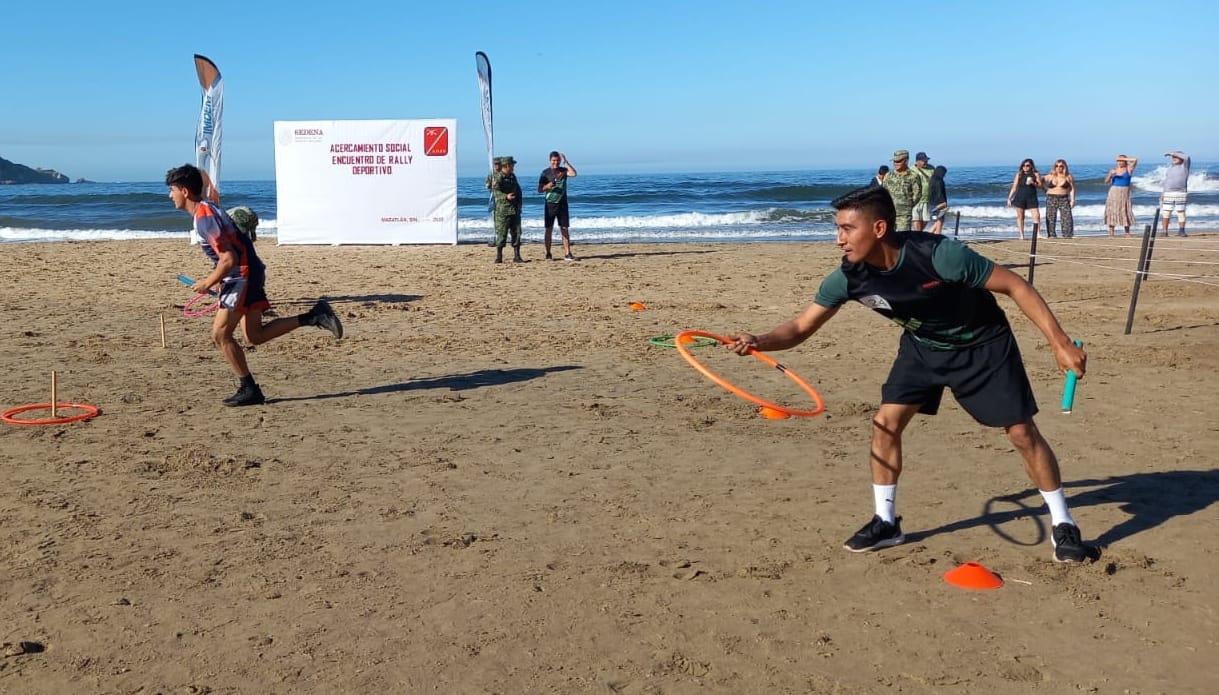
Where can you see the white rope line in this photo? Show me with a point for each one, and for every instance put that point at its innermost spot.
(1134, 260)
(1175, 275)
(1096, 247)
(1171, 276)
(1125, 246)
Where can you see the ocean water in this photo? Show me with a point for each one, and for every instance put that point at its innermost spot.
(713, 207)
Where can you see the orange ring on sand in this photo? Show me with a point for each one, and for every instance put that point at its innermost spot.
(767, 359)
(90, 412)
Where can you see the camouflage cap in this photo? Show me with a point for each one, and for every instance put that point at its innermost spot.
(507, 159)
(899, 155)
(496, 161)
(245, 219)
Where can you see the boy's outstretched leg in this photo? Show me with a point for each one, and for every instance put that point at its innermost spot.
(1042, 468)
(885, 527)
(321, 316)
(257, 333)
(223, 325)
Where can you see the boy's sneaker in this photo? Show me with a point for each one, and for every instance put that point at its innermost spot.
(569, 257)
(246, 395)
(1068, 545)
(549, 257)
(322, 316)
(876, 534)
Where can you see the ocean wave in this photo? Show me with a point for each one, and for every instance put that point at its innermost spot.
(1153, 181)
(25, 234)
(1085, 211)
(684, 220)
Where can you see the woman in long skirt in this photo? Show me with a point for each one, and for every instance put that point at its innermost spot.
(1118, 209)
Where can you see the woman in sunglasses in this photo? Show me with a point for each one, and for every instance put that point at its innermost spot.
(1023, 194)
(1059, 199)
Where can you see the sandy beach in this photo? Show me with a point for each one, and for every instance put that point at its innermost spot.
(493, 484)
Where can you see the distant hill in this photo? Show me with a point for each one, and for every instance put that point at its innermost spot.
(12, 172)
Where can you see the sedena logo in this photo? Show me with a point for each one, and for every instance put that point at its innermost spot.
(436, 141)
(307, 135)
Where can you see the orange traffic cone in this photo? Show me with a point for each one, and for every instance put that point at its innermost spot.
(772, 414)
(971, 575)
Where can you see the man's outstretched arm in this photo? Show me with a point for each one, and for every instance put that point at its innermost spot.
(1029, 300)
(785, 335)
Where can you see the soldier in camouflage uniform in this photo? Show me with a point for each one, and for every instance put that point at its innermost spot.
(905, 187)
(508, 200)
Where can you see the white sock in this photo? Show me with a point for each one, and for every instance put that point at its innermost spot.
(885, 497)
(1057, 502)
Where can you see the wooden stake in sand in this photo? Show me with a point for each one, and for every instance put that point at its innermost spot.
(54, 393)
(162, 317)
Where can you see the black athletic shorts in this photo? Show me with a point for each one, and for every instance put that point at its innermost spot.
(988, 380)
(243, 294)
(558, 211)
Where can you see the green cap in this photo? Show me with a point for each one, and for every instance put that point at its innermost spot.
(899, 155)
(507, 159)
(497, 161)
(245, 219)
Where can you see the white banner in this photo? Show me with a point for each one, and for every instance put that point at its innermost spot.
(483, 67)
(208, 130)
(366, 182)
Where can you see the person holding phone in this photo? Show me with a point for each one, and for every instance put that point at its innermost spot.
(1023, 194)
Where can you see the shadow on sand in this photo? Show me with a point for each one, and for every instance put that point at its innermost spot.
(452, 382)
(1150, 499)
(354, 299)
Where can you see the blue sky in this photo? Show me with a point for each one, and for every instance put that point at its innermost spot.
(107, 90)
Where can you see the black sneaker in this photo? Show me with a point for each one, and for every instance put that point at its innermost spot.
(322, 316)
(876, 534)
(569, 257)
(1068, 545)
(549, 257)
(246, 395)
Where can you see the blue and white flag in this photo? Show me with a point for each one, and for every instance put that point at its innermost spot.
(208, 131)
(483, 64)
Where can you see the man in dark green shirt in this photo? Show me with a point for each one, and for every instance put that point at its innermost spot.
(955, 335)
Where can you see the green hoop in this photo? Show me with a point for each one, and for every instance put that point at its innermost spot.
(666, 341)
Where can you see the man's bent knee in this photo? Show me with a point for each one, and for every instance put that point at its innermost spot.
(1023, 436)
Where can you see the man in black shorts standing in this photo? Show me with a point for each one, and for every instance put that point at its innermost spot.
(553, 183)
(955, 335)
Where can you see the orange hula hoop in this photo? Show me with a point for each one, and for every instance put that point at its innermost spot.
(90, 412)
(766, 359)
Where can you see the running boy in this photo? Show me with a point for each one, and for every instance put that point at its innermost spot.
(955, 335)
(240, 274)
